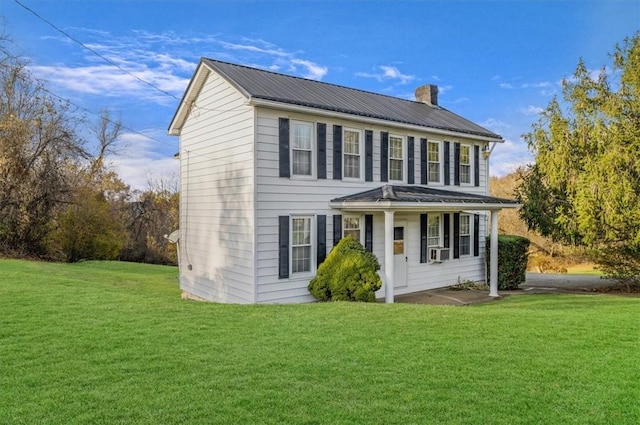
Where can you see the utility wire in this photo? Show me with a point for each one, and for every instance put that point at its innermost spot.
(110, 62)
(84, 46)
(109, 120)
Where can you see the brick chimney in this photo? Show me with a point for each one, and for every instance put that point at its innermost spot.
(427, 94)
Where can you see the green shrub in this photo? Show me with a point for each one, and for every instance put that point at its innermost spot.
(512, 260)
(349, 273)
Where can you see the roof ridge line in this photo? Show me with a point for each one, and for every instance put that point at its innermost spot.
(253, 68)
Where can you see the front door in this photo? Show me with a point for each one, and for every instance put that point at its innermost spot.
(399, 255)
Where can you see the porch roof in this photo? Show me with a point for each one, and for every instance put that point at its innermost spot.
(419, 198)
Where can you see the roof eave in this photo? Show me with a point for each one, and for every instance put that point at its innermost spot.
(189, 96)
(256, 101)
(386, 204)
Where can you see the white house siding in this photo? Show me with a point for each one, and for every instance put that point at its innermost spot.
(277, 196)
(216, 205)
(424, 276)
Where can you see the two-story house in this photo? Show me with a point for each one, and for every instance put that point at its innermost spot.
(275, 169)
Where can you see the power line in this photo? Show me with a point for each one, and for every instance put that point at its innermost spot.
(109, 120)
(84, 46)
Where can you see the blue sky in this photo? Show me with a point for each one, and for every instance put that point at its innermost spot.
(497, 63)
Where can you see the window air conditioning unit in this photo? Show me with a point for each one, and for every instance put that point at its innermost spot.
(438, 255)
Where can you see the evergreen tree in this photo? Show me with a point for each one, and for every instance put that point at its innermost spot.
(584, 188)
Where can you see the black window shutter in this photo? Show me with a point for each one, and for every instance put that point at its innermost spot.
(321, 237)
(446, 221)
(368, 155)
(424, 221)
(447, 163)
(283, 137)
(476, 165)
(423, 161)
(337, 229)
(384, 156)
(337, 152)
(456, 164)
(476, 235)
(368, 232)
(283, 247)
(410, 161)
(456, 235)
(321, 129)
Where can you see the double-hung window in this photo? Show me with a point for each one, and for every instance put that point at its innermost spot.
(352, 154)
(352, 226)
(465, 164)
(465, 234)
(433, 159)
(433, 231)
(301, 148)
(396, 158)
(301, 244)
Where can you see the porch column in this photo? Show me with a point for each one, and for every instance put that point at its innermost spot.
(388, 256)
(493, 260)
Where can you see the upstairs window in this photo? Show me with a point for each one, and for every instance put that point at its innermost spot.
(396, 158)
(465, 164)
(433, 161)
(300, 244)
(465, 234)
(301, 148)
(352, 154)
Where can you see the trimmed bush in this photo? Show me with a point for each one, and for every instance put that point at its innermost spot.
(349, 273)
(513, 254)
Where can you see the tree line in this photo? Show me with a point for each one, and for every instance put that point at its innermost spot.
(59, 199)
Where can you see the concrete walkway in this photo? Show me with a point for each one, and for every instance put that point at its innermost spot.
(536, 283)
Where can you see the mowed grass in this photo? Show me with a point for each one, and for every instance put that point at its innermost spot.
(113, 343)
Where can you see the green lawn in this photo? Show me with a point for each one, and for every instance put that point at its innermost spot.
(113, 343)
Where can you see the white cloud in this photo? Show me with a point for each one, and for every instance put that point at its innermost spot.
(104, 81)
(143, 62)
(385, 73)
(255, 49)
(532, 110)
(508, 156)
(537, 85)
(495, 125)
(444, 89)
(138, 158)
(314, 71)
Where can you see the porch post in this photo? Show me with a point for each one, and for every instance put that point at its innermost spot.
(493, 260)
(388, 256)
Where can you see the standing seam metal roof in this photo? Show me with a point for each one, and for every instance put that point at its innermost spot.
(267, 85)
(422, 194)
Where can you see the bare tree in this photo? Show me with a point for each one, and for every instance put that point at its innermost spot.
(39, 149)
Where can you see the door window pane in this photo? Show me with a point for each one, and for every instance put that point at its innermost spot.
(398, 240)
